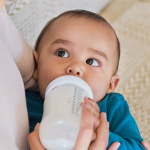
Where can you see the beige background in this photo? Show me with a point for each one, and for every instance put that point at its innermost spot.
(130, 19)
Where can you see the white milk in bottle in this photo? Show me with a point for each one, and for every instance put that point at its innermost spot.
(62, 112)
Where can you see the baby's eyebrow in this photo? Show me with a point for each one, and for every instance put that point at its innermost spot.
(66, 42)
(97, 52)
(61, 41)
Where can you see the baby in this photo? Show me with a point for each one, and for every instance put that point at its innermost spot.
(83, 44)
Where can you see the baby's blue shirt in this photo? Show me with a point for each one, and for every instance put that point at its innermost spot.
(122, 125)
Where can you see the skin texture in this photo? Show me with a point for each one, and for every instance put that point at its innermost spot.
(77, 38)
(146, 145)
(2, 3)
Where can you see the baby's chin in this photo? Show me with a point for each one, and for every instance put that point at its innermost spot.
(98, 99)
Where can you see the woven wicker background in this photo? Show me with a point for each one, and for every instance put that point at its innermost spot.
(130, 19)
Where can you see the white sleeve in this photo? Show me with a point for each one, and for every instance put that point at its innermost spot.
(14, 54)
(21, 53)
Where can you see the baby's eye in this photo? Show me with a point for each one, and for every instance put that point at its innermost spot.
(92, 62)
(62, 53)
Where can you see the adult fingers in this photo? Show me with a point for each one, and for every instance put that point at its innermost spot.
(33, 139)
(86, 128)
(96, 120)
(103, 131)
(93, 136)
(114, 146)
(101, 141)
(146, 145)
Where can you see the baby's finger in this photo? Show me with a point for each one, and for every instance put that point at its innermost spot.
(92, 102)
(86, 128)
(95, 106)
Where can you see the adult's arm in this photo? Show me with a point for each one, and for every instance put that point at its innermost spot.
(20, 51)
(14, 127)
(13, 113)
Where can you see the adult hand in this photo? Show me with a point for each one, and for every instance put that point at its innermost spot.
(96, 112)
(146, 145)
(86, 130)
(101, 141)
(34, 140)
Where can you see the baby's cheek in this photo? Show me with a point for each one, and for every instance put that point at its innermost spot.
(98, 94)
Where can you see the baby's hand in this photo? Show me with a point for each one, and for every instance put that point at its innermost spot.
(96, 112)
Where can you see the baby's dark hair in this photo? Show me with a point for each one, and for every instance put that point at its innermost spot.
(78, 14)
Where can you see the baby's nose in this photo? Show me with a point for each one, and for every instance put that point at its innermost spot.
(75, 69)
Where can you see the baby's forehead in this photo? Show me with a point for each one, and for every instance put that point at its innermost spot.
(79, 19)
(66, 22)
(78, 15)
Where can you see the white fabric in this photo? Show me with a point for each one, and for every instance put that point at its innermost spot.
(14, 53)
(30, 16)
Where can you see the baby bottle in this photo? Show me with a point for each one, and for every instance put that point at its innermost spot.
(61, 119)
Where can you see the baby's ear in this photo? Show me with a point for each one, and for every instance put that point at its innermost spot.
(113, 84)
(35, 73)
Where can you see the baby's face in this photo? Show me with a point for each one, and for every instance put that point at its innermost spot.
(78, 47)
